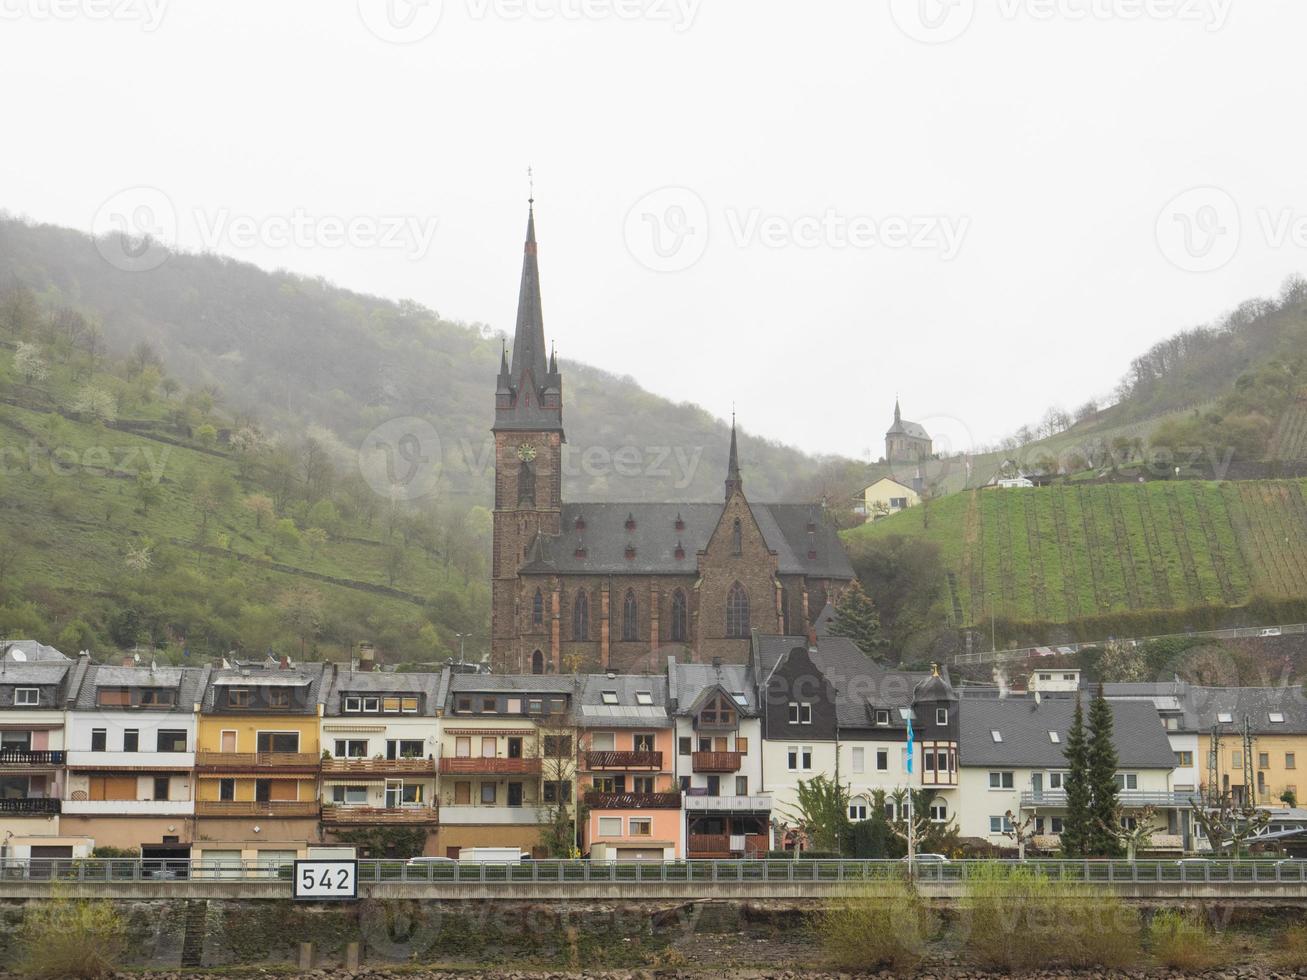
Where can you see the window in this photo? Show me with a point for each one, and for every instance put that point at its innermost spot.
(717, 711)
(800, 713)
(859, 759)
(642, 784)
(1277, 717)
(1054, 737)
(799, 758)
(683, 745)
(1056, 825)
(1290, 761)
(408, 706)
(1055, 780)
(110, 697)
(644, 697)
(630, 617)
(741, 785)
(641, 827)
(1045, 677)
(390, 705)
(526, 485)
(737, 612)
(490, 706)
(882, 717)
(741, 745)
(27, 696)
(1236, 759)
(737, 538)
(1184, 759)
(609, 697)
(131, 740)
(1001, 780)
(279, 697)
(939, 812)
(996, 735)
(353, 705)
(349, 795)
(463, 704)
(278, 742)
(371, 704)
(941, 716)
(882, 760)
(538, 609)
(643, 742)
(739, 698)
(487, 792)
(857, 811)
(238, 697)
(98, 738)
(405, 748)
(1000, 825)
(1263, 760)
(581, 617)
(226, 790)
(160, 788)
(1127, 780)
(156, 697)
(557, 791)
(351, 748)
(678, 617)
(171, 740)
(610, 826)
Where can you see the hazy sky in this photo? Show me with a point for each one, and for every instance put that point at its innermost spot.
(799, 208)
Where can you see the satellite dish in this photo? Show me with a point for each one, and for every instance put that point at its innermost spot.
(18, 655)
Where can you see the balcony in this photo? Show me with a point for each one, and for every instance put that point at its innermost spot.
(254, 761)
(716, 761)
(728, 804)
(129, 808)
(1131, 799)
(253, 808)
(623, 760)
(371, 816)
(723, 846)
(489, 766)
(31, 806)
(378, 767)
(31, 757)
(505, 816)
(633, 801)
(145, 761)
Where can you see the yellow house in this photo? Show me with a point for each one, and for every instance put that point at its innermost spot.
(887, 496)
(1277, 722)
(258, 763)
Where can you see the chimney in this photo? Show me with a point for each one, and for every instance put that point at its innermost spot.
(812, 637)
(285, 662)
(717, 663)
(1000, 678)
(129, 661)
(367, 657)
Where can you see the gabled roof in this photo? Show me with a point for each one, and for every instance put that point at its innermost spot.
(188, 682)
(1024, 724)
(30, 651)
(694, 681)
(628, 712)
(1212, 705)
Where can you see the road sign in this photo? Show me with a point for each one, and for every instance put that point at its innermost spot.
(327, 880)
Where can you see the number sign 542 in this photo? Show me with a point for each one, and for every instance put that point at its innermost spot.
(319, 881)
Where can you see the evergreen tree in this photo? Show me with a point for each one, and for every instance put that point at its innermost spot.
(1076, 827)
(857, 619)
(1102, 763)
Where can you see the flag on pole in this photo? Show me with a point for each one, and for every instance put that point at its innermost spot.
(910, 745)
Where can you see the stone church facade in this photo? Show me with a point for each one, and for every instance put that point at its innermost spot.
(621, 586)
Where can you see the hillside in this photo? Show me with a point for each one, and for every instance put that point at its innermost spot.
(1124, 559)
(125, 521)
(303, 356)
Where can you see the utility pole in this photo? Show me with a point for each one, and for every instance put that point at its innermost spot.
(993, 642)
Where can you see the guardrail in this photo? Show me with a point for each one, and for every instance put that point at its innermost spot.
(381, 872)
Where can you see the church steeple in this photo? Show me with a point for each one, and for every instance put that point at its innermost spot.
(733, 480)
(532, 400)
(897, 417)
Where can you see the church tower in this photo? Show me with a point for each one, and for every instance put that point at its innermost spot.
(528, 433)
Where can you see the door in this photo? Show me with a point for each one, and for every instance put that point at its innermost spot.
(514, 794)
(262, 790)
(229, 741)
(452, 853)
(515, 748)
(394, 793)
(1037, 784)
(489, 747)
(462, 794)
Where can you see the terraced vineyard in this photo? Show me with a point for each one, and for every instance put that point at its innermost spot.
(1066, 553)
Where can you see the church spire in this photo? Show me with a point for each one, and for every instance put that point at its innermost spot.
(534, 398)
(897, 417)
(733, 480)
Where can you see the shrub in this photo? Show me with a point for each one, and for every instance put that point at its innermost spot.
(1182, 941)
(1292, 954)
(1019, 919)
(70, 938)
(883, 927)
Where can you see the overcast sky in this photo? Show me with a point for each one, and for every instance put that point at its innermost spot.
(800, 209)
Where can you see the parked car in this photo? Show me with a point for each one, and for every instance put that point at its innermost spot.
(1270, 631)
(930, 859)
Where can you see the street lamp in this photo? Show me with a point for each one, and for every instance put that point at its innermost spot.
(993, 644)
(461, 638)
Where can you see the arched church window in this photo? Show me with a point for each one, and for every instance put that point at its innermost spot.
(737, 612)
(678, 617)
(538, 609)
(526, 485)
(630, 617)
(581, 617)
(537, 663)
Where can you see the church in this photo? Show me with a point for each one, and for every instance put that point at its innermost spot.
(621, 586)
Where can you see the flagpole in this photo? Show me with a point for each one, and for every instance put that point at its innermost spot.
(912, 827)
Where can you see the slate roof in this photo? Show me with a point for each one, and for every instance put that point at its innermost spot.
(910, 429)
(535, 683)
(1137, 733)
(655, 538)
(1172, 698)
(188, 682)
(690, 681)
(42, 674)
(627, 713)
(315, 675)
(378, 682)
(30, 651)
(1254, 703)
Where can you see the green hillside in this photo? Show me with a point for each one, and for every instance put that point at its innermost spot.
(1118, 557)
(126, 520)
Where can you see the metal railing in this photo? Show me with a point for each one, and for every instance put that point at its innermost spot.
(1093, 872)
(31, 757)
(605, 759)
(31, 804)
(1129, 798)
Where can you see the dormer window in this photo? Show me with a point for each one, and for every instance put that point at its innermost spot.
(353, 705)
(812, 554)
(680, 551)
(941, 716)
(238, 697)
(279, 697)
(27, 697)
(580, 549)
(579, 523)
(630, 552)
(463, 704)
(718, 711)
(680, 524)
(630, 522)
(882, 717)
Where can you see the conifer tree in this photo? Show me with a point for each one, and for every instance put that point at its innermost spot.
(1077, 831)
(857, 619)
(1102, 763)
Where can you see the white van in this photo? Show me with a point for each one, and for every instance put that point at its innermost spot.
(492, 855)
